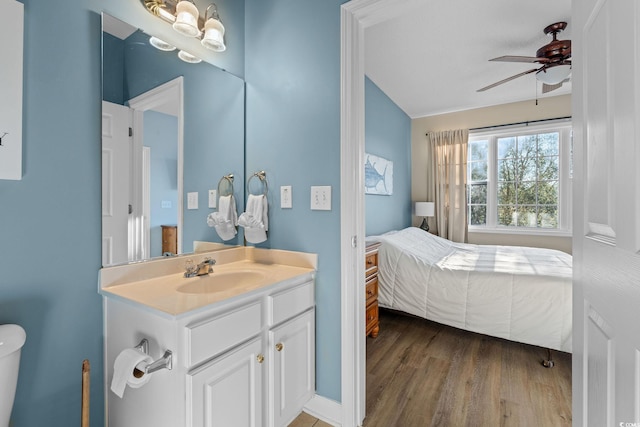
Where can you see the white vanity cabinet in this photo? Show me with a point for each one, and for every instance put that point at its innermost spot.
(292, 367)
(272, 374)
(249, 361)
(229, 390)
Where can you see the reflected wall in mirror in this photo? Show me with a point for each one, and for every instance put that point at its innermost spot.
(187, 132)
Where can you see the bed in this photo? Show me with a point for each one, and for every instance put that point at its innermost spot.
(517, 293)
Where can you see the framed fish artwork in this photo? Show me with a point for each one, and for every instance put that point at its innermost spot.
(378, 175)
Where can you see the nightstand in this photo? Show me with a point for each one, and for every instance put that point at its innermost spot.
(371, 288)
(169, 239)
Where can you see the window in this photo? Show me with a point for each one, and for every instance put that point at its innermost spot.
(519, 179)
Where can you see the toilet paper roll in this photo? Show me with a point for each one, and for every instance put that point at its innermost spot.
(127, 370)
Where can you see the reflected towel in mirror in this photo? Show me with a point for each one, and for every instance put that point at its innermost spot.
(255, 220)
(226, 219)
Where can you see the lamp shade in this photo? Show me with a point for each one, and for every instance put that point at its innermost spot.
(213, 35)
(425, 208)
(187, 19)
(161, 44)
(187, 57)
(554, 74)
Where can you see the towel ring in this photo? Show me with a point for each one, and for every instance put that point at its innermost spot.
(229, 180)
(262, 176)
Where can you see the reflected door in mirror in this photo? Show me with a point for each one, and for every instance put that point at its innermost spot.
(116, 155)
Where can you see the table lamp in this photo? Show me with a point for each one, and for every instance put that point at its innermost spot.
(425, 209)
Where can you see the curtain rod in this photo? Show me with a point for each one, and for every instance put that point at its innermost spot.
(516, 124)
(519, 123)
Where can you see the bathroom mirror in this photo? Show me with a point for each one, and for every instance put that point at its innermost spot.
(171, 129)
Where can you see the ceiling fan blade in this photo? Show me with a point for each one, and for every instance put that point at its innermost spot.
(548, 88)
(514, 58)
(508, 79)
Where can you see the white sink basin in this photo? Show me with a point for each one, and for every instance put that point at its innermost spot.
(220, 282)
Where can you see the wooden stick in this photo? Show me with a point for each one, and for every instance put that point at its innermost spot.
(86, 370)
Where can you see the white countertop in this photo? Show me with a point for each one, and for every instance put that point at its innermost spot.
(156, 284)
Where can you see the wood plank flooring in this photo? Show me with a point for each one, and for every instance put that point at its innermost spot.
(421, 373)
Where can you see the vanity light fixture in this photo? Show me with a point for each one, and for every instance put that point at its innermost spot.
(183, 15)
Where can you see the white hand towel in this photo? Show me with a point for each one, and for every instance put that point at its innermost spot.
(226, 219)
(255, 219)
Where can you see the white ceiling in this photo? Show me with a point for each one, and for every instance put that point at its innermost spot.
(433, 58)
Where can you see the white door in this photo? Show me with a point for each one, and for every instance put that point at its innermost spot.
(116, 158)
(606, 118)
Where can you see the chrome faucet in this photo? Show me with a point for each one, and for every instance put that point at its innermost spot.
(202, 269)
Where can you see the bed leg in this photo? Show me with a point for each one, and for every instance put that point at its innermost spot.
(548, 362)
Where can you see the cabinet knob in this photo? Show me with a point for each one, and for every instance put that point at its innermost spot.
(260, 358)
(279, 346)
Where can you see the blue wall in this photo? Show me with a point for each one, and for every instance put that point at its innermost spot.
(388, 135)
(50, 220)
(113, 69)
(293, 133)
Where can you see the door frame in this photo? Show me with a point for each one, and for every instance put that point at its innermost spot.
(355, 17)
(161, 95)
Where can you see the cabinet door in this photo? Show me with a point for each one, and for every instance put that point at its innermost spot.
(292, 379)
(228, 390)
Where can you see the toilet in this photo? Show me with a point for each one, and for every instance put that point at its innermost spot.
(12, 339)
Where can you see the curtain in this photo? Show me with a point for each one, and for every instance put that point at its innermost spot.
(447, 181)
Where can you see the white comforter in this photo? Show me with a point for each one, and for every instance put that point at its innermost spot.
(518, 293)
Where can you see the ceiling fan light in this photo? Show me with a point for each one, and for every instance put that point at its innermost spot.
(186, 19)
(213, 35)
(554, 74)
(161, 44)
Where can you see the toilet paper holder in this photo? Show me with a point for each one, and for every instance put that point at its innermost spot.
(165, 362)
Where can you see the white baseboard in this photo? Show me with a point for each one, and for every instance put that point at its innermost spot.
(325, 409)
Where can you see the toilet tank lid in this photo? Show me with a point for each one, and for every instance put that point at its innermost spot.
(12, 338)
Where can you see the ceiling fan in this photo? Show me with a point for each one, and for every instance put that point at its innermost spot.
(554, 57)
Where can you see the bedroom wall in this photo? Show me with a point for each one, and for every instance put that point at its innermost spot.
(557, 106)
(388, 135)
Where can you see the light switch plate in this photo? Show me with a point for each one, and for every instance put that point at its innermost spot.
(321, 198)
(286, 201)
(213, 197)
(192, 200)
